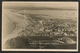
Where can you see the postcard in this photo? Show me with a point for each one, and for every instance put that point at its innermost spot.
(39, 26)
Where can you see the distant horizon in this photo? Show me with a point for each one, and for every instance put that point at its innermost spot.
(41, 5)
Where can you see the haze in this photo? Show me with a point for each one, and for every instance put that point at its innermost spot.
(70, 5)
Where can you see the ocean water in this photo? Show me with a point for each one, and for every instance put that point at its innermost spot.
(66, 14)
(7, 26)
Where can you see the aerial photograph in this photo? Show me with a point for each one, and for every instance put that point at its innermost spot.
(37, 26)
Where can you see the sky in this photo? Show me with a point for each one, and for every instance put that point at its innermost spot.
(41, 4)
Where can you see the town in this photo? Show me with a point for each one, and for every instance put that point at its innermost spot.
(42, 32)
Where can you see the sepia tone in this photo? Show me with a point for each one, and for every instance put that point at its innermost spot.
(46, 26)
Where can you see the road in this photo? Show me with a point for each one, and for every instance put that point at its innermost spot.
(18, 22)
